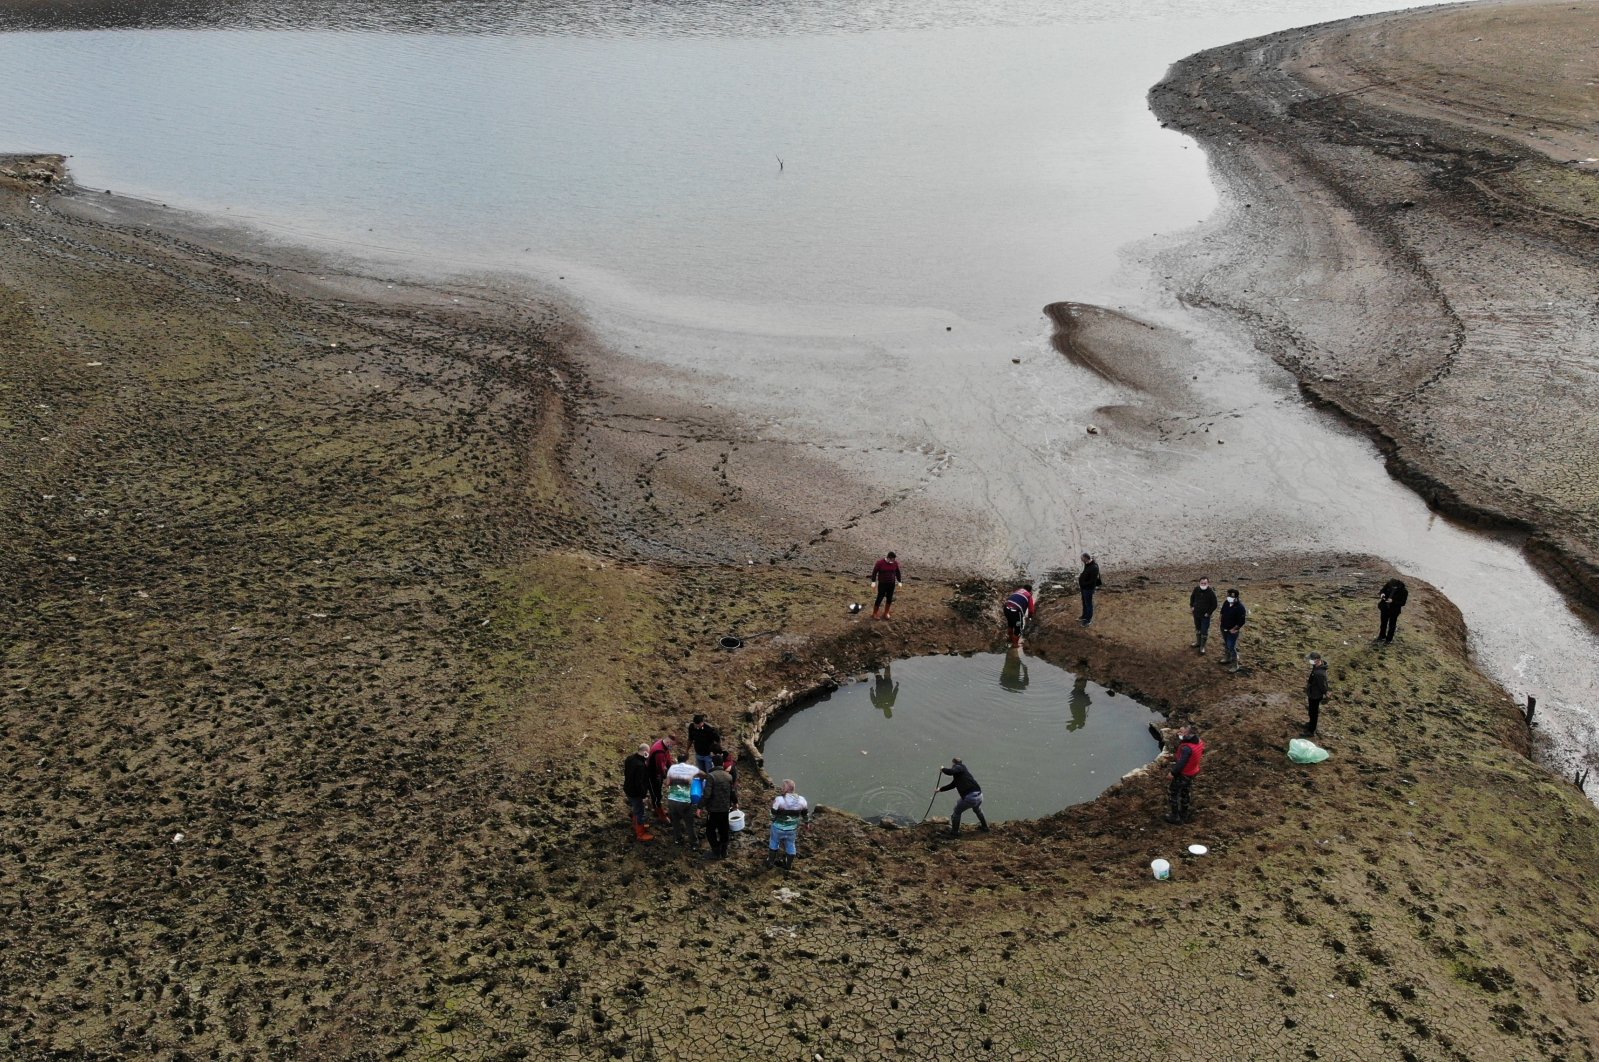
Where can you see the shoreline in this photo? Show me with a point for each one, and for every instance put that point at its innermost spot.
(324, 661)
(1282, 144)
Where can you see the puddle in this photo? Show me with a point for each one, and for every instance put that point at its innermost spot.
(1037, 737)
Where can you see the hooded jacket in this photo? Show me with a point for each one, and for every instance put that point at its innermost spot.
(1316, 684)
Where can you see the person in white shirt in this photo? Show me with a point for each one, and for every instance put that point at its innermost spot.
(680, 800)
(789, 812)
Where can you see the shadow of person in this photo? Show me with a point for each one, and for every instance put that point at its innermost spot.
(884, 692)
(1079, 704)
(1013, 673)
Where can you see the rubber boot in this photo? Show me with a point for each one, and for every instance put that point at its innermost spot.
(660, 813)
(982, 823)
(642, 832)
(786, 862)
(874, 613)
(888, 613)
(1200, 645)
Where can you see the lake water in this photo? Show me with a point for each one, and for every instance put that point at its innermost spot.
(841, 218)
(1036, 737)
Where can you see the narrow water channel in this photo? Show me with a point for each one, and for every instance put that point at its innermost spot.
(1038, 738)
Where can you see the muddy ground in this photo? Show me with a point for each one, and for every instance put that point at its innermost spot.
(1413, 231)
(297, 570)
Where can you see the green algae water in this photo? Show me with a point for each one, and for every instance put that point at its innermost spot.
(1037, 737)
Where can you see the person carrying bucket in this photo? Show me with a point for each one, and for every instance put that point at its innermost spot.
(1184, 769)
(720, 800)
(636, 777)
(971, 796)
(789, 812)
(680, 803)
(1018, 607)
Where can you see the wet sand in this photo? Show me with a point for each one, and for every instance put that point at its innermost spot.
(323, 647)
(1413, 224)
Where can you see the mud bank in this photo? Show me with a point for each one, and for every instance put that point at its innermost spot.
(1413, 230)
(319, 667)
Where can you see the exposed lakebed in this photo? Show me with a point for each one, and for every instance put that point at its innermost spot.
(1038, 738)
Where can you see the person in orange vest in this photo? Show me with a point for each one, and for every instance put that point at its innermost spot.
(1184, 769)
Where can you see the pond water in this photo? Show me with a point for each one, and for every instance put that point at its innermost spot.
(1036, 736)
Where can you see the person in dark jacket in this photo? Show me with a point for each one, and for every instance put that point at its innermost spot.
(1315, 690)
(1202, 602)
(1390, 601)
(636, 775)
(704, 737)
(1184, 769)
(971, 796)
(1087, 583)
(720, 798)
(886, 576)
(1233, 617)
(1017, 608)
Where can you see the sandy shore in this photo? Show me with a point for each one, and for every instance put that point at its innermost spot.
(323, 646)
(335, 602)
(1413, 226)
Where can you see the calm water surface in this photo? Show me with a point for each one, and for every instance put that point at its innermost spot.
(1037, 737)
(947, 168)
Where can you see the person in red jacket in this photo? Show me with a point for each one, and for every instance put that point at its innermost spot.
(661, 760)
(1020, 605)
(1184, 769)
(886, 576)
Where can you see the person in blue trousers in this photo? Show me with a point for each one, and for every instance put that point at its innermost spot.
(789, 813)
(1233, 617)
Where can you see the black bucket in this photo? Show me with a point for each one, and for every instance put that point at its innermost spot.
(730, 642)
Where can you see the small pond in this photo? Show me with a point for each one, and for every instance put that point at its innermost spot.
(1037, 737)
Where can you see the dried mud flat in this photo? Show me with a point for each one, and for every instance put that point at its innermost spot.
(1414, 232)
(298, 571)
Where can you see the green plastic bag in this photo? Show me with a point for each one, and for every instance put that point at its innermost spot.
(1302, 751)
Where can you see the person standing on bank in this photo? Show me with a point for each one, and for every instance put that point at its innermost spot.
(720, 799)
(1315, 690)
(660, 763)
(680, 800)
(886, 576)
(1233, 617)
(1087, 583)
(704, 737)
(1389, 604)
(1184, 769)
(971, 796)
(789, 812)
(1202, 602)
(636, 775)
(1017, 608)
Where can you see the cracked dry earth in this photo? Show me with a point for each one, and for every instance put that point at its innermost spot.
(338, 616)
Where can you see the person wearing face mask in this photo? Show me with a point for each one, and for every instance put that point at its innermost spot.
(1202, 602)
(1233, 617)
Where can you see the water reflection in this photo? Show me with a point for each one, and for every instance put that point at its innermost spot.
(1078, 705)
(885, 691)
(1026, 737)
(1013, 675)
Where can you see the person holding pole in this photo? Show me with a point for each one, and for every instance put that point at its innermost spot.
(971, 795)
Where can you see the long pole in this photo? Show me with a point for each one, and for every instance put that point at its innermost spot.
(929, 810)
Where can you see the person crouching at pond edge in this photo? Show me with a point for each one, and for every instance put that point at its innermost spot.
(789, 811)
(1184, 769)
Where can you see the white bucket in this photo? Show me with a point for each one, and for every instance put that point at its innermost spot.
(1161, 868)
(735, 820)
